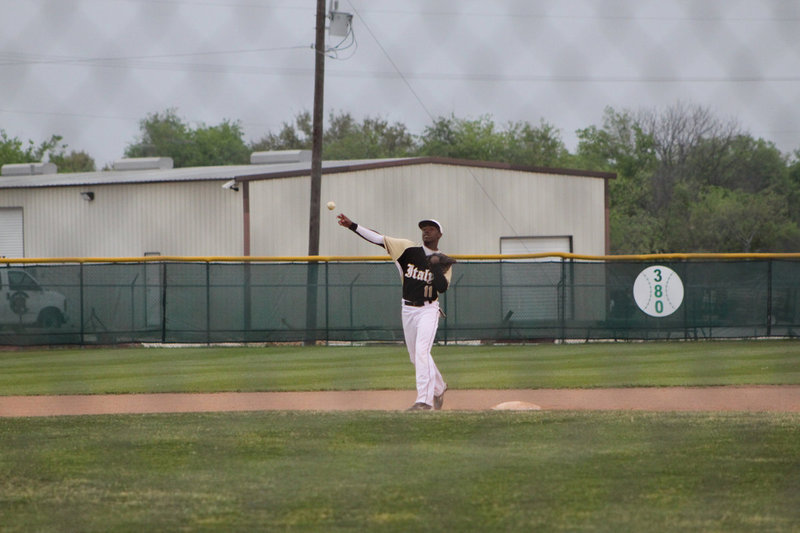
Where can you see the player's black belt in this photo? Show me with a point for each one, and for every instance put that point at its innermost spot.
(417, 303)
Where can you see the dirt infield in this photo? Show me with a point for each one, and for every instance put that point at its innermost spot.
(744, 398)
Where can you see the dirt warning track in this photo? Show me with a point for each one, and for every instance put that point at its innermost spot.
(740, 398)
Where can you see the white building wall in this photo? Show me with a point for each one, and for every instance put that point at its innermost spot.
(476, 206)
(279, 211)
(190, 218)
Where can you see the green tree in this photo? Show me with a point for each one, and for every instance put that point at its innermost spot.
(296, 136)
(373, 138)
(536, 145)
(219, 145)
(74, 162)
(740, 188)
(343, 137)
(684, 162)
(729, 220)
(679, 133)
(479, 139)
(463, 139)
(14, 150)
(742, 163)
(622, 146)
(793, 179)
(167, 135)
(162, 135)
(794, 168)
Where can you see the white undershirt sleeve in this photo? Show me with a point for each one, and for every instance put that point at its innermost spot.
(371, 236)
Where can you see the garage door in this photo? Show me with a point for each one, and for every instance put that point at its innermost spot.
(11, 232)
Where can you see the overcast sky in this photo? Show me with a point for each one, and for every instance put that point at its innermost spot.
(90, 70)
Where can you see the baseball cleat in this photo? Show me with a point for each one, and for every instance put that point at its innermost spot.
(438, 401)
(419, 406)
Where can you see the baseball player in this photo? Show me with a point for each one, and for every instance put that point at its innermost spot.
(425, 274)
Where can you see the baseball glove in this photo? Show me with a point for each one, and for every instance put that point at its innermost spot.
(441, 259)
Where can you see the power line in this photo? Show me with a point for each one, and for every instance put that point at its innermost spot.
(551, 16)
(495, 13)
(64, 114)
(33, 59)
(140, 62)
(430, 115)
(582, 78)
(391, 61)
(210, 3)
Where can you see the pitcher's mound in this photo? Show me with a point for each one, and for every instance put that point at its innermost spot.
(516, 406)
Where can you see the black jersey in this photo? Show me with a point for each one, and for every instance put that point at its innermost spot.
(415, 271)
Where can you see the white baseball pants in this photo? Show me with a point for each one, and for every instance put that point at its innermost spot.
(419, 328)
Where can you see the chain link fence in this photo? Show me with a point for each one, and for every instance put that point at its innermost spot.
(90, 71)
(488, 301)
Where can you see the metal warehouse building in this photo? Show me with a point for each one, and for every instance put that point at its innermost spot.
(146, 207)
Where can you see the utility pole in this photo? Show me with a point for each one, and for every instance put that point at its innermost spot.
(316, 132)
(316, 176)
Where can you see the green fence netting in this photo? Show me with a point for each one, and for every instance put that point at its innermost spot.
(208, 302)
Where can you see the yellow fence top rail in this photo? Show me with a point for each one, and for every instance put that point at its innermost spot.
(343, 258)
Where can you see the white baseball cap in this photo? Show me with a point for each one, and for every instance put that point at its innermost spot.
(430, 222)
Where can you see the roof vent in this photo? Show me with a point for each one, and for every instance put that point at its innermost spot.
(143, 163)
(280, 156)
(28, 169)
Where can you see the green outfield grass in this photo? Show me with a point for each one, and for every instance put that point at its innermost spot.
(282, 368)
(404, 472)
(396, 471)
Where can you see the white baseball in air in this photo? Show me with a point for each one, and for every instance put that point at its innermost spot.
(331, 205)
(658, 291)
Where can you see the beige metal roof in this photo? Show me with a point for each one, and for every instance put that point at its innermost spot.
(254, 172)
(110, 177)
